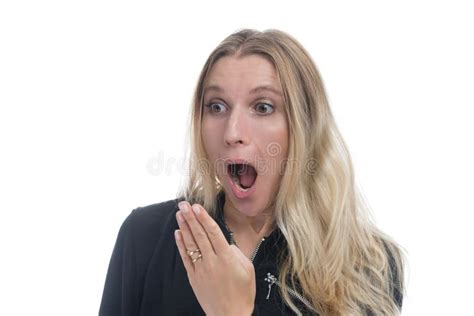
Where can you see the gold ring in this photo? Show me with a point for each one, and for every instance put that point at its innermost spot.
(190, 253)
(197, 258)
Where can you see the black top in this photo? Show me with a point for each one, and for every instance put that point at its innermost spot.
(146, 275)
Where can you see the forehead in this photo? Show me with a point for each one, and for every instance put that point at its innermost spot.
(250, 74)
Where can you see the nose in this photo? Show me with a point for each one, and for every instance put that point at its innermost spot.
(237, 128)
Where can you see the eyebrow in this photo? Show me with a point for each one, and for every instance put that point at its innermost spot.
(270, 88)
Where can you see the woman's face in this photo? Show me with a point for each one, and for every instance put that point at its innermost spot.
(244, 124)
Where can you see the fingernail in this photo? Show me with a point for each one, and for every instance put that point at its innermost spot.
(179, 217)
(176, 234)
(182, 206)
(196, 209)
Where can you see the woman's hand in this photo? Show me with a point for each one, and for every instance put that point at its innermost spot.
(223, 278)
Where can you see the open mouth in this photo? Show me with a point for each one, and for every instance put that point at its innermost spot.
(243, 175)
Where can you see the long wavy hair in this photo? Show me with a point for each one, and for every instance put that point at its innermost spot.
(346, 265)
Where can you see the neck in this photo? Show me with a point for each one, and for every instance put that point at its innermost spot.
(259, 226)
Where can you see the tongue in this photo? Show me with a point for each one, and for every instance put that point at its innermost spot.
(247, 176)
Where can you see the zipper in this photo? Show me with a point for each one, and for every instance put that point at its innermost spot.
(271, 279)
(256, 249)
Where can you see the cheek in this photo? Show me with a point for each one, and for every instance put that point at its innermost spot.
(274, 139)
(275, 148)
(209, 140)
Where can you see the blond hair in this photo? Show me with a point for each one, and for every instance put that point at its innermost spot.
(346, 265)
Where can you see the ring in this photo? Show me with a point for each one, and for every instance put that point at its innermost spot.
(196, 259)
(190, 254)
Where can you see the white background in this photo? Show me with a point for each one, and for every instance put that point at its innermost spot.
(94, 101)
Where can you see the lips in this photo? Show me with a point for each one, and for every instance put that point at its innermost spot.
(239, 161)
(241, 180)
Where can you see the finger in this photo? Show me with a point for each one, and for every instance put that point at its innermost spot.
(188, 240)
(188, 264)
(196, 230)
(214, 233)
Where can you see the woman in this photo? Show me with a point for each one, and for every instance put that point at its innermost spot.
(270, 221)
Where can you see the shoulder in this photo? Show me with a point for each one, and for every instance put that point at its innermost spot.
(396, 271)
(153, 214)
(146, 229)
(146, 226)
(151, 219)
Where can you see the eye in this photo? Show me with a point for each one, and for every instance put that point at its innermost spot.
(264, 108)
(215, 107)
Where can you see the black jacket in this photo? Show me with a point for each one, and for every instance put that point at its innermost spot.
(146, 275)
